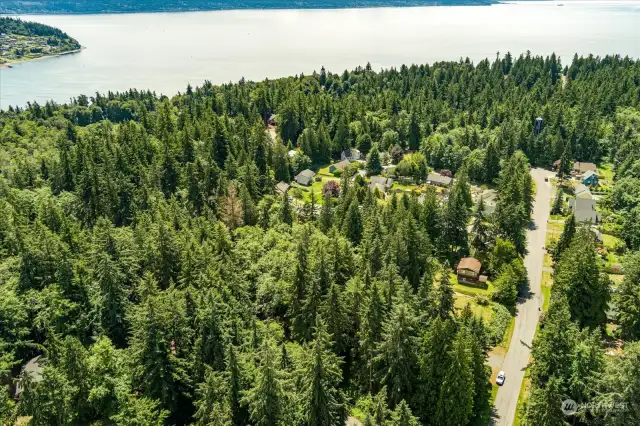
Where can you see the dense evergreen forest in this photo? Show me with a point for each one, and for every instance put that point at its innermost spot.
(145, 253)
(118, 6)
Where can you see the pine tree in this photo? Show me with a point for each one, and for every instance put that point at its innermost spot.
(301, 277)
(544, 406)
(443, 295)
(565, 238)
(322, 400)
(397, 361)
(628, 298)
(455, 404)
(352, 224)
(238, 411)
(402, 416)
(286, 212)
(480, 232)
(212, 402)
(578, 277)
(557, 203)
(266, 398)
(373, 166)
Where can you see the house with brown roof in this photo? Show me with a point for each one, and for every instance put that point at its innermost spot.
(580, 168)
(468, 272)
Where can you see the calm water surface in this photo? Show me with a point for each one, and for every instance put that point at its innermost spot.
(164, 52)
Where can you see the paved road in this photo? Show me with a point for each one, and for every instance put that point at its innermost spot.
(527, 314)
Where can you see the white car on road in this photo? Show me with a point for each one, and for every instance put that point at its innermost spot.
(500, 378)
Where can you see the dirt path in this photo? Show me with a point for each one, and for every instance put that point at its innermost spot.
(528, 313)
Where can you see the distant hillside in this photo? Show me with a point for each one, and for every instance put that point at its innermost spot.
(120, 6)
(25, 28)
(21, 41)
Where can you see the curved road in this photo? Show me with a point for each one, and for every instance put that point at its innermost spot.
(527, 315)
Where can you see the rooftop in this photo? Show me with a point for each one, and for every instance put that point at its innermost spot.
(470, 263)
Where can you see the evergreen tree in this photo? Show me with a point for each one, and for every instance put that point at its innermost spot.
(266, 398)
(398, 364)
(373, 166)
(627, 298)
(322, 400)
(578, 277)
(565, 238)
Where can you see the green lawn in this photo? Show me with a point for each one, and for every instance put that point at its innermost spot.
(610, 241)
(606, 171)
(555, 226)
(547, 281)
(485, 312)
(552, 237)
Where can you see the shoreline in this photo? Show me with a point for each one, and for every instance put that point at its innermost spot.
(223, 9)
(20, 61)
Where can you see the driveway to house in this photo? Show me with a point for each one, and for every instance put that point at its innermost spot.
(528, 313)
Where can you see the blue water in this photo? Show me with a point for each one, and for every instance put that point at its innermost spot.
(166, 51)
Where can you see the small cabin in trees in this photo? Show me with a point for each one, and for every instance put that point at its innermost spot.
(468, 272)
(272, 120)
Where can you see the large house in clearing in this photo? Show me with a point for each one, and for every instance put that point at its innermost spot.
(468, 271)
(305, 177)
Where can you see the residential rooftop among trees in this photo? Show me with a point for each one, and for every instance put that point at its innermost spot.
(147, 258)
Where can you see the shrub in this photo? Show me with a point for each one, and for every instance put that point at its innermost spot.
(332, 188)
(498, 324)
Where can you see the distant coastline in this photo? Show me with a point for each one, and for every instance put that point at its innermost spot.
(20, 61)
(90, 7)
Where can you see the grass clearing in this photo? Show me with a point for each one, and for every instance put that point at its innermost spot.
(555, 226)
(611, 241)
(478, 310)
(547, 282)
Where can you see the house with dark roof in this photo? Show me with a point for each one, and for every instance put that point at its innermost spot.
(468, 272)
(305, 177)
(341, 165)
(437, 179)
